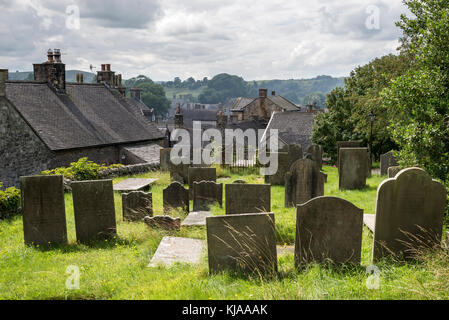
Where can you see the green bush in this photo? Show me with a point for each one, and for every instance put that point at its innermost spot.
(9, 201)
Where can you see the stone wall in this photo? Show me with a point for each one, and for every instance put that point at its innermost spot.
(101, 155)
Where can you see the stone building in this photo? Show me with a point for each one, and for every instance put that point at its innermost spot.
(47, 123)
(261, 107)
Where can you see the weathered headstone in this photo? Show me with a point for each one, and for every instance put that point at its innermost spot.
(286, 157)
(328, 229)
(137, 205)
(182, 250)
(176, 196)
(180, 172)
(163, 222)
(353, 168)
(393, 171)
(387, 160)
(247, 198)
(43, 210)
(346, 144)
(196, 219)
(324, 176)
(201, 174)
(242, 242)
(303, 182)
(206, 194)
(93, 204)
(134, 184)
(316, 151)
(164, 155)
(409, 214)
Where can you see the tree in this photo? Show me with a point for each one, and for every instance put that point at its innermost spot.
(153, 95)
(223, 86)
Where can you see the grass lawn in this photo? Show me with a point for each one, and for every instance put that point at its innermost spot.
(118, 269)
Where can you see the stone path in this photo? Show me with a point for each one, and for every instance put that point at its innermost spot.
(133, 184)
(172, 249)
(196, 219)
(369, 220)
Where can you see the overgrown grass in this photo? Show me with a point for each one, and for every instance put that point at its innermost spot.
(117, 269)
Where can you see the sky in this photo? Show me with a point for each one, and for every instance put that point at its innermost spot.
(264, 39)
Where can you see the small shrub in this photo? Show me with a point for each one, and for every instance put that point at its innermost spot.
(9, 201)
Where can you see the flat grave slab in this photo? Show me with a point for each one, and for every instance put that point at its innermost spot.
(173, 249)
(285, 250)
(133, 184)
(196, 219)
(369, 220)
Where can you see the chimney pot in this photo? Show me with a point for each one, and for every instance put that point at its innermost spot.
(77, 78)
(273, 93)
(263, 93)
(57, 55)
(108, 67)
(50, 56)
(3, 78)
(103, 67)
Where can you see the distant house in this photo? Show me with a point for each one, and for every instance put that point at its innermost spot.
(293, 128)
(49, 123)
(261, 107)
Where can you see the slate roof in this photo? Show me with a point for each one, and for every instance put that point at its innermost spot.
(88, 115)
(242, 103)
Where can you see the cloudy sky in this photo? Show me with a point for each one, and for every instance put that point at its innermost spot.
(264, 39)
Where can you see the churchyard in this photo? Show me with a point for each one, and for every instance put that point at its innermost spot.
(116, 267)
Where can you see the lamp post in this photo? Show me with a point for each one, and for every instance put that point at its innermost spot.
(372, 117)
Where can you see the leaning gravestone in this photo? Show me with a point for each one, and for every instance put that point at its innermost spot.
(206, 194)
(175, 196)
(328, 229)
(201, 174)
(316, 152)
(303, 182)
(43, 210)
(164, 155)
(247, 198)
(286, 157)
(346, 144)
(137, 205)
(163, 222)
(387, 160)
(409, 214)
(242, 242)
(353, 168)
(93, 204)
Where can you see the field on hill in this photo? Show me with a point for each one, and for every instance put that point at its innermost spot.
(118, 269)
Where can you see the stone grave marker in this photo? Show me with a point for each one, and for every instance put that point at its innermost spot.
(387, 160)
(328, 230)
(200, 174)
(93, 204)
(205, 194)
(393, 171)
(182, 250)
(247, 198)
(242, 242)
(346, 144)
(286, 157)
(134, 184)
(180, 172)
(164, 155)
(409, 214)
(370, 221)
(176, 196)
(163, 222)
(137, 205)
(303, 182)
(43, 210)
(353, 169)
(316, 152)
(196, 219)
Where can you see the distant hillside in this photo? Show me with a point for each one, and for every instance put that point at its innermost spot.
(70, 75)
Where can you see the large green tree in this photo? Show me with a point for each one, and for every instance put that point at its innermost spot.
(153, 95)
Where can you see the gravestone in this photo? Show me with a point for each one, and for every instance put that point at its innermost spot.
(180, 172)
(393, 171)
(182, 250)
(200, 174)
(409, 214)
(206, 194)
(43, 210)
(164, 155)
(247, 198)
(346, 144)
(242, 242)
(316, 151)
(328, 229)
(196, 219)
(324, 176)
(303, 182)
(137, 205)
(93, 205)
(286, 157)
(353, 168)
(163, 222)
(134, 184)
(175, 196)
(387, 160)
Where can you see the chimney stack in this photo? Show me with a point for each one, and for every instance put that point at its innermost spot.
(273, 93)
(103, 67)
(263, 93)
(77, 78)
(51, 71)
(57, 56)
(136, 93)
(179, 118)
(50, 56)
(107, 75)
(3, 78)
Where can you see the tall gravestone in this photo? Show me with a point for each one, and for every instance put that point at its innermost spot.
(200, 174)
(242, 242)
(164, 155)
(247, 198)
(43, 210)
(180, 172)
(93, 204)
(328, 229)
(137, 205)
(316, 152)
(387, 160)
(346, 144)
(206, 194)
(353, 168)
(409, 214)
(286, 157)
(303, 182)
(176, 196)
